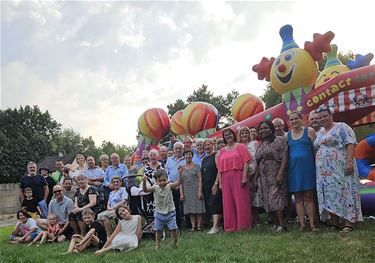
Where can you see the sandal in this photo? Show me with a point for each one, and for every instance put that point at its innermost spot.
(314, 229)
(199, 229)
(193, 229)
(301, 228)
(346, 229)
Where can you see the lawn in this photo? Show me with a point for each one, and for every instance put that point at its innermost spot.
(259, 245)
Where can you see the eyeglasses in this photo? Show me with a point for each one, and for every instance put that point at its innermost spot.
(57, 191)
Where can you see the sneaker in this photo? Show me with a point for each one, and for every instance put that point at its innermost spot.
(280, 229)
(213, 230)
(274, 227)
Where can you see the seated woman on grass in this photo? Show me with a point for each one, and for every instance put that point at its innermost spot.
(95, 234)
(51, 233)
(26, 229)
(127, 233)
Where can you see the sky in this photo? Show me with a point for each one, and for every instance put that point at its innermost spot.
(97, 66)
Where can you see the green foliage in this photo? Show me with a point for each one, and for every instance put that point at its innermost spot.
(270, 97)
(26, 134)
(222, 103)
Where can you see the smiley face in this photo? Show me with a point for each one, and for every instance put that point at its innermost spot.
(330, 73)
(293, 68)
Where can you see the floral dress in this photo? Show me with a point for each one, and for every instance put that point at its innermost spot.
(338, 193)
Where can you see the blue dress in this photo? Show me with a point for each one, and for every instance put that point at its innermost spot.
(301, 164)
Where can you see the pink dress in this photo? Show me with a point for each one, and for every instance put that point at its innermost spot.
(236, 198)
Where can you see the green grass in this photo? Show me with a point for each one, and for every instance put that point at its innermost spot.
(259, 245)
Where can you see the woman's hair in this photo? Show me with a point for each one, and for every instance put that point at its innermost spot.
(78, 155)
(24, 212)
(209, 141)
(244, 128)
(50, 216)
(153, 151)
(231, 131)
(219, 140)
(188, 151)
(295, 112)
(271, 126)
(103, 156)
(88, 211)
(159, 173)
(116, 177)
(118, 208)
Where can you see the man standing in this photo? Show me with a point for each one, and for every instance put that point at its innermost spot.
(58, 174)
(95, 176)
(39, 186)
(172, 171)
(44, 171)
(68, 190)
(163, 154)
(199, 154)
(60, 206)
(313, 121)
(279, 127)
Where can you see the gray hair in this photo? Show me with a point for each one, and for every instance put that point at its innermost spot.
(178, 144)
(103, 156)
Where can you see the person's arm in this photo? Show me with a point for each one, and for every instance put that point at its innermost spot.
(350, 159)
(312, 134)
(200, 193)
(21, 195)
(38, 208)
(177, 183)
(139, 229)
(244, 173)
(92, 198)
(280, 173)
(144, 186)
(32, 230)
(256, 175)
(86, 237)
(16, 230)
(46, 192)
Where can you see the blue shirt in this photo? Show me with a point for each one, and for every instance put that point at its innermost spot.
(93, 173)
(172, 167)
(198, 159)
(111, 171)
(115, 198)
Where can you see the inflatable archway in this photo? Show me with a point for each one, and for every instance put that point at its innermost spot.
(365, 157)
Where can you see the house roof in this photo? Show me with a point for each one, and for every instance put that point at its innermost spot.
(50, 161)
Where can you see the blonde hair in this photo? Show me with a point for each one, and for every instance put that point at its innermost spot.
(244, 128)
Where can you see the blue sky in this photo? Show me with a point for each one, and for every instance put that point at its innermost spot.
(96, 66)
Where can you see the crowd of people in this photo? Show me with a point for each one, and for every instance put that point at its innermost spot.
(221, 182)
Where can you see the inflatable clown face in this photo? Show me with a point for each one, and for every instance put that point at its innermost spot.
(293, 68)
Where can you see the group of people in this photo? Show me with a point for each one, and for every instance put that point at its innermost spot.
(227, 181)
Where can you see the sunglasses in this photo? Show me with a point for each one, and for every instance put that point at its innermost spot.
(321, 108)
(57, 191)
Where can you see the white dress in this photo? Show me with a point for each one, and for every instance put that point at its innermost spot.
(127, 238)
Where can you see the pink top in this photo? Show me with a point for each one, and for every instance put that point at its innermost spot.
(228, 160)
(53, 229)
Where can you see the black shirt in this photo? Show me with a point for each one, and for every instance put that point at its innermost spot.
(36, 183)
(51, 183)
(30, 205)
(99, 232)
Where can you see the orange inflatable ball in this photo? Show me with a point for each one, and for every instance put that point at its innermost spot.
(176, 123)
(199, 116)
(154, 123)
(246, 106)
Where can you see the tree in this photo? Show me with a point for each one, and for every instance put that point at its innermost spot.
(25, 135)
(176, 106)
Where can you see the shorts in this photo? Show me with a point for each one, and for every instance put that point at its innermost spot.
(68, 233)
(107, 215)
(165, 220)
(32, 235)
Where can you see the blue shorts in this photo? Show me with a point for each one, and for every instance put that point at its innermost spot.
(32, 236)
(165, 220)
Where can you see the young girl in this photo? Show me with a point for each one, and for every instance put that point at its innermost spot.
(50, 234)
(26, 229)
(96, 235)
(165, 215)
(127, 233)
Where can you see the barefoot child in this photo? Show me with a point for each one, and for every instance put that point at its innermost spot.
(30, 204)
(127, 233)
(96, 235)
(51, 233)
(165, 213)
(26, 229)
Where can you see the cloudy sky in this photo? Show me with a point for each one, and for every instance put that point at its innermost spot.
(96, 66)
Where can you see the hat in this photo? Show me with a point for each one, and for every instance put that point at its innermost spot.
(332, 59)
(44, 167)
(286, 33)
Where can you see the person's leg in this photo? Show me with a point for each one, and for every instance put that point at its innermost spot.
(74, 225)
(107, 226)
(216, 220)
(39, 236)
(73, 242)
(199, 221)
(254, 211)
(82, 227)
(158, 235)
(280, 218)
(43, 209)
(44, 238)
(193, 222)
(308, 198)
(174, 236)
(300, 209)
(61, 238)
(241, 198)
(334, 221)
(230, 220)
(176, 201)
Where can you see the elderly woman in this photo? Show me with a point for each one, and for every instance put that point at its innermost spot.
(271, 160)
(212, 195)
(301, 172)
(336, 171)
(247, 137)
(191, 191)
(85, 197)
(232, 163)
(153, 165)
(104, 161)
(118, 196)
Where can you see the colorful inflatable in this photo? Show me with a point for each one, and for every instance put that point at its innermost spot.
(176, 123)
(154, 123)
(245, 106)
(199, 116)
(365, 157)
(367, 191)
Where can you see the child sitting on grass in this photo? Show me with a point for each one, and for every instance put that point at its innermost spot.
(165, 213)
(96, 235)
(127, 233)
(26, 229)
(30, 204)
(51, 233)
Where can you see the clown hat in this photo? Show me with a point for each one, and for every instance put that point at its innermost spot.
(332, 59)
(286, 33)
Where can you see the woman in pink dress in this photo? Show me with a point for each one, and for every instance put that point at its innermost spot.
(232, 163)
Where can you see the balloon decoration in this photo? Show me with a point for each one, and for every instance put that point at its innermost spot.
(199, 116)
(365, 157)
(154, 123)
(245, 106)
(176, 123)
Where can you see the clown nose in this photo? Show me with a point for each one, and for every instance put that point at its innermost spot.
(281, 68)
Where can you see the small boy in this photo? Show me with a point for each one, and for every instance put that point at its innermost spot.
(95, 234)
(165, 215)
(30, 204)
